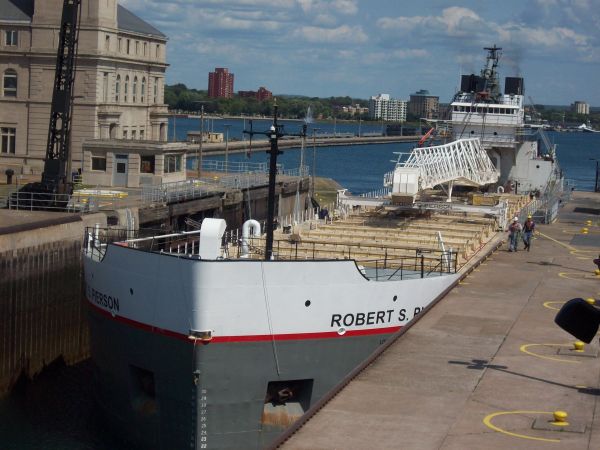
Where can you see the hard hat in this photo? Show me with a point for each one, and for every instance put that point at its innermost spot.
(516, 219)
(529, 216)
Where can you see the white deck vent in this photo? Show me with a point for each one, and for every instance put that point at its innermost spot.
(211, 235)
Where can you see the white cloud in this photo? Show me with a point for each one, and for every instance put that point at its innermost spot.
(341, 34)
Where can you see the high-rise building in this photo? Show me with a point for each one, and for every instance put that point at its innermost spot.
(383, 107)
(424, 105)
(118, 90)
(580, 107)
(220, 83)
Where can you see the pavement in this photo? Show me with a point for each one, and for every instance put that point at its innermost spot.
(486, 367)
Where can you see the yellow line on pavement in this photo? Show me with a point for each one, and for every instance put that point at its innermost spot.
(488, 422)
(524, 348)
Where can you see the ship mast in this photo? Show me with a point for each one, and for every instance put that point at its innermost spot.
(489, 74)
(273, 134)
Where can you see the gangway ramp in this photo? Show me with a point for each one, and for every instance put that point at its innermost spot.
(463, 162)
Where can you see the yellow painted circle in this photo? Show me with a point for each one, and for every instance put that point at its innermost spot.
(525, 349)
(577, 251)
(550, 305)
(577, 276)
(488, 423)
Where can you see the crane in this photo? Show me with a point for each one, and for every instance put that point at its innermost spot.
(54, 189)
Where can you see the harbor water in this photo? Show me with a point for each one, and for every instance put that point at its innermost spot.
(56, 410)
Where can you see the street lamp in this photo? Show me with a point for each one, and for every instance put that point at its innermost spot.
(226, 126)
(314, 164)
(199, 157)
(596, 186)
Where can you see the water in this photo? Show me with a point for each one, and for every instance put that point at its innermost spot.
(56, 411)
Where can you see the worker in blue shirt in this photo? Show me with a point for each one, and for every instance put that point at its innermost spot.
(528, 229)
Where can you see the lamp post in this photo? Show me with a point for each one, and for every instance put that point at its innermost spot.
(596, 186)
(199, 156)
(226, 126)
(314, 164)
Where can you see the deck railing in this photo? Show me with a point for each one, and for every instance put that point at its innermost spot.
(420, 264)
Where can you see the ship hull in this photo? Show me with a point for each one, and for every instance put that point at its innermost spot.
(277, 336)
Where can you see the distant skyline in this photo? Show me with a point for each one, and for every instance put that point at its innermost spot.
(362, 48)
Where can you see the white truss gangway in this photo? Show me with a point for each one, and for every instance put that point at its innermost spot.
(463, 162)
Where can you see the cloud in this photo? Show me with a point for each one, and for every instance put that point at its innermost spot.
(341, 34)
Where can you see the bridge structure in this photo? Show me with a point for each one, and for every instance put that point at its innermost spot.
(463, 162)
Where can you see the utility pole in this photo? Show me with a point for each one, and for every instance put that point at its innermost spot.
(226, 126)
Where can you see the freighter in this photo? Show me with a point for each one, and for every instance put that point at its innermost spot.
(196, 348)
(523, 156)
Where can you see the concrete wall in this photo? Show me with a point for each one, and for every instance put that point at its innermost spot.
(42, 311)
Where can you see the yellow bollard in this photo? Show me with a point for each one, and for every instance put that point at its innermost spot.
(597, 271)
(591, 300)
(560, 418)
(584, 231)
(588, 223)
(578, 346)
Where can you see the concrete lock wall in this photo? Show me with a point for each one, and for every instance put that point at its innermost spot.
(42, 309)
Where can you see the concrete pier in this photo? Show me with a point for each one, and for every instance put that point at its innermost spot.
(486, 367)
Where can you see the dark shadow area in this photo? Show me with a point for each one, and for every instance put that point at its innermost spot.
(480, 364)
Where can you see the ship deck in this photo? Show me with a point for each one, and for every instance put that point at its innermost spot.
(485, 367)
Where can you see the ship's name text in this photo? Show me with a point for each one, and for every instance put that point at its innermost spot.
(102, 299)
(370, 317)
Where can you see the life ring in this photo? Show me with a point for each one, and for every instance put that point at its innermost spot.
(500, 190)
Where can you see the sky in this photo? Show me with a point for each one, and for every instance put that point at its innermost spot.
(361, 48)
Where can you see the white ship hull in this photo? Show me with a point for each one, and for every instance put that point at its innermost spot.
(189, 351)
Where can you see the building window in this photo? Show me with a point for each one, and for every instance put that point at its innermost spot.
(8, 140)
(137, 47)
(147, 164)
(141, 135)
(105, 87)
(124, 134)
(10, 83)
(134, 90)
(117, 88)
(172, 163)
(126, 88)
(157, 51)
(107, 42)
(145, 49)
(11, 38)
(99, 163)
(119, 45)
(134, 134)
(155, 90)
(128, 46)
(143, 93)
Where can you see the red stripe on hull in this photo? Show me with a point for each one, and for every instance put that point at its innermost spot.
(250, 338)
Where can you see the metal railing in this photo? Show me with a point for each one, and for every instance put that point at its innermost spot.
(422, 264)
(196, 188)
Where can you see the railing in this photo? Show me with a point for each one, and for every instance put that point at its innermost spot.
(197, 188)
(424, 263)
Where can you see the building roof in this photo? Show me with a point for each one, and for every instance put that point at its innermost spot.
(128, 21)
(22, 10)
(16, 10)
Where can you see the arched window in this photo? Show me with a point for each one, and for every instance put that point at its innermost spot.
(143, 93)
(134, 90)
(126, 88)
(118, 88)
(10, 83)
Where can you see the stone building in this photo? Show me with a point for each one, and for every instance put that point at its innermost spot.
(119, 81)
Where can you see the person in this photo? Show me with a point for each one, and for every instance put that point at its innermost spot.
(514, 230)
(528, 229)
